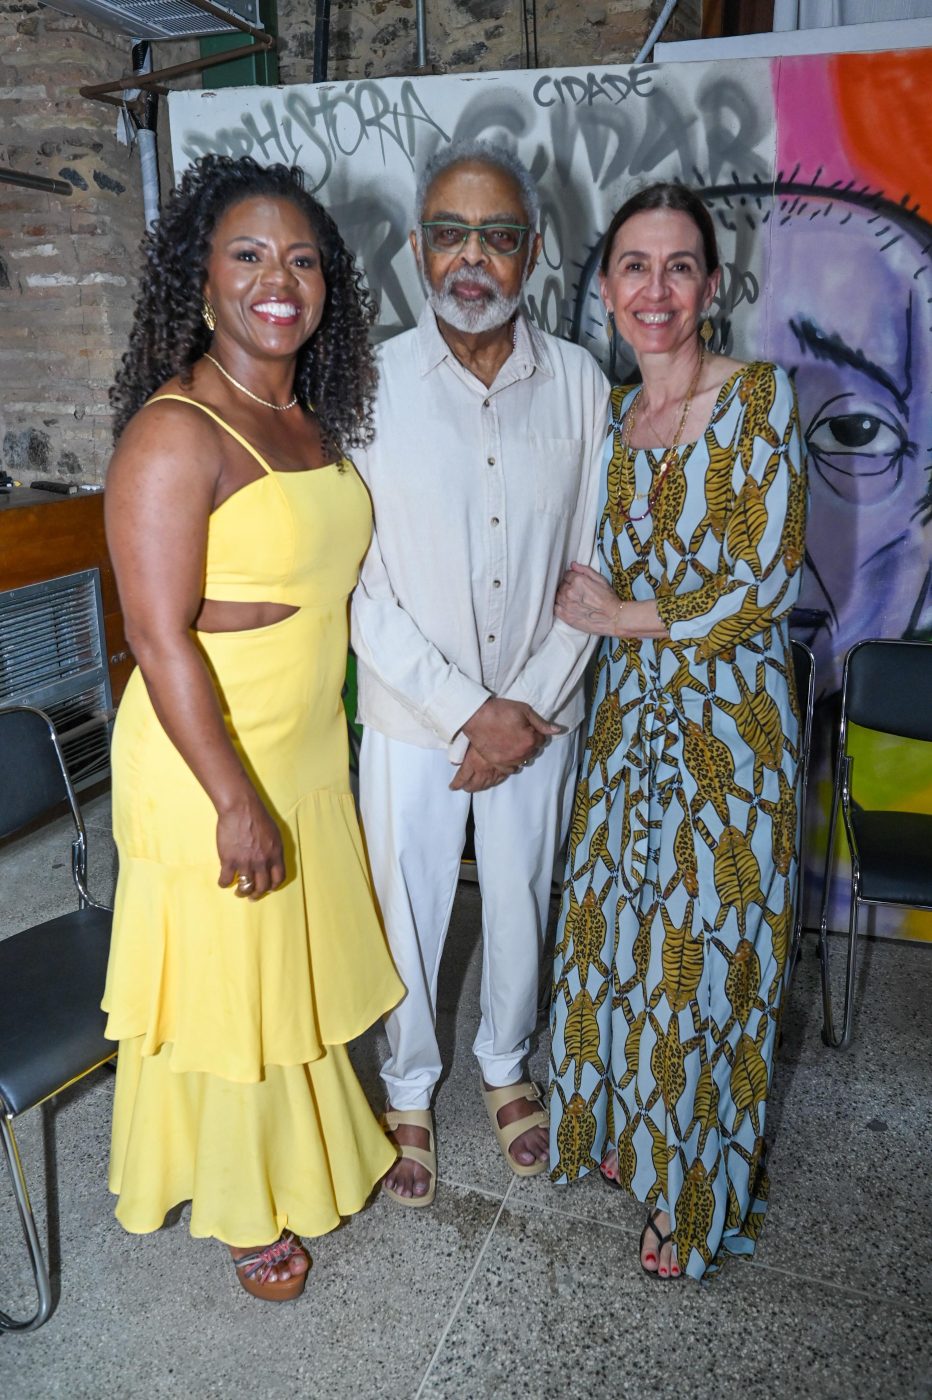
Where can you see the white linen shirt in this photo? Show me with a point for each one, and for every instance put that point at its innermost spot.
(482, 498)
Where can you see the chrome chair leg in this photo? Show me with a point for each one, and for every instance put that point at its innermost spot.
(797, 936)
(36, 1258)
(852, 969)
(828, 1028)
(828, 1022)
(829, 1035)
(793, 951)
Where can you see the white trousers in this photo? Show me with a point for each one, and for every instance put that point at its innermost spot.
(415, 830)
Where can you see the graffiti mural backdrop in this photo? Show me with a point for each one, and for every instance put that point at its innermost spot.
(819, 174)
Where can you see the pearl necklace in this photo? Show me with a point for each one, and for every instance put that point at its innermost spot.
(278, 407)
(669, 456)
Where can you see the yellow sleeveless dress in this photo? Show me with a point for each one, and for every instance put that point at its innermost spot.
(234, 1089)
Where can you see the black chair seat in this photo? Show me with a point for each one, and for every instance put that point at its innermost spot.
(895, 851)
(51, 1027)
(52, 975)
(885, 688)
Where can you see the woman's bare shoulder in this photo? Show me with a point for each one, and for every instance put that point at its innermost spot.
(170, 431)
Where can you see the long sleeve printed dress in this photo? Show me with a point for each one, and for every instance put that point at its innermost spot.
(678, 902)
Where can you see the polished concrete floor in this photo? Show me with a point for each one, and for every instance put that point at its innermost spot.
(511, 1287)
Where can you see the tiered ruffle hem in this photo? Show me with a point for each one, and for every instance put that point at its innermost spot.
(234, 1088)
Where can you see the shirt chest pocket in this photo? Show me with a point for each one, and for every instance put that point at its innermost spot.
(557, 466)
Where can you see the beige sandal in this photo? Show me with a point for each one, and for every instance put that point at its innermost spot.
(425, 1157)
(496, 1099)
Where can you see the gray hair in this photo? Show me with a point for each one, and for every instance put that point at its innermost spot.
(485, 153)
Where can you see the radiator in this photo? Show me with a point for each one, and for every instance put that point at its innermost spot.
(52, 656)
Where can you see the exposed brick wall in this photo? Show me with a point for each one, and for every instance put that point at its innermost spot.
(378, 40)
(67, 265)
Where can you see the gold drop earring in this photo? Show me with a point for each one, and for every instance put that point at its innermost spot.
(609, 325)
(706, 330)
(208, 314)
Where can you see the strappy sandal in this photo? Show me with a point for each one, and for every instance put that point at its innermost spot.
(662, 1239)
(425, 1157)
(496, 1099)
(253, 1270)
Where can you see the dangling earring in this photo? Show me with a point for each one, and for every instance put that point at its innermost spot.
(610, 325)
(208, 314)
(706, 331)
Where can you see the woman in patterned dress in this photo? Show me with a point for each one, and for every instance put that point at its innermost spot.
(679, 892)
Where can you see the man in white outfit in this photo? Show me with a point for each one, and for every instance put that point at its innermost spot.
(484, 476)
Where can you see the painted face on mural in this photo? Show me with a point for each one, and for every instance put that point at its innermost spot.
(851, 321)
(473, 288)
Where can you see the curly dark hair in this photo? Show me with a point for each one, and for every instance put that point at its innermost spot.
(335, 369)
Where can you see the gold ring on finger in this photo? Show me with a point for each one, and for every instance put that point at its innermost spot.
(244, 884)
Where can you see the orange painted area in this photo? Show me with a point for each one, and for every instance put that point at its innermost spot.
(883, 106)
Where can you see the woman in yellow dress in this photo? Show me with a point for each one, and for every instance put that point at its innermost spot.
(246, 947)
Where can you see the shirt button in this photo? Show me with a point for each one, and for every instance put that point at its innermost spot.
(494, 519)
(490, 638)
(496, 583)
(491, 461)
(486, 403)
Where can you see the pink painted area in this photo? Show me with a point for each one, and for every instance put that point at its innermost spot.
(810, 134)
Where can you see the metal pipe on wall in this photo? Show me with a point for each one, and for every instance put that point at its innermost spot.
(321, 41)
(421, 18)
(657, 30)
(145, 119)
(30, 181)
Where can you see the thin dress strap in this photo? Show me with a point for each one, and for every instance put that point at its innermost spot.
(181, 398)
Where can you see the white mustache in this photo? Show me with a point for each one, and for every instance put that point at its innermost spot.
(475, 276)
(478, 315)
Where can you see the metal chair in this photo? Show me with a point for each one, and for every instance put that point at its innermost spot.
(51, 975)
(804, 672)
(887, 687)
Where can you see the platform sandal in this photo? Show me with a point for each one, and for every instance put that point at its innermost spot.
(253, 1270)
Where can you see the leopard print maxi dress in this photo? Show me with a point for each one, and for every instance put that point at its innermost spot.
(678, 902)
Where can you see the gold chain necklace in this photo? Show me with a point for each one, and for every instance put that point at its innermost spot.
(669, 456)
(278, 407)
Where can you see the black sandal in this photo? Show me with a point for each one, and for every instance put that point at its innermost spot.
(661, 1241)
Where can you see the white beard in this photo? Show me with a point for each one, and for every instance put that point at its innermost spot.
(471, 317)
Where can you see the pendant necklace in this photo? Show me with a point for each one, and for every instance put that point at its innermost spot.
(278, 407)
(669, 455)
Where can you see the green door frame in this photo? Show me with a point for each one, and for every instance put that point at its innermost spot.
(258, 70)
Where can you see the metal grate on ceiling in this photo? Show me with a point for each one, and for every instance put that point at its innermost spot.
(160, 19)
